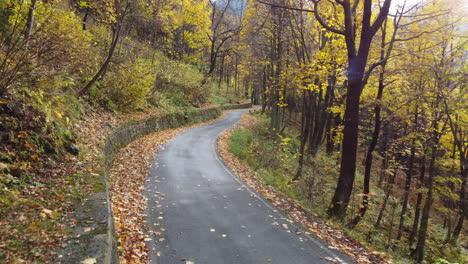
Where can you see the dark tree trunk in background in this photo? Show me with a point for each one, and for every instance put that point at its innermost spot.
(448, 225)
(409, 177)
(320, 115)
(221, 72)
(277, 60)
(388, 192)
(264, 96)
(29, 23)
(304, 135)
(385, 156)
(236, 77)
(329, 144)
(422, 173)
(426, 210)
(462, 215)
(463, 205)
(458, 135)
(85, 18)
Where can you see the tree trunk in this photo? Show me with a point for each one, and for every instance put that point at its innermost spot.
(221, 72)
(29, 23)
(304, 136)
(344, 188)
(264, 99)
(85, 18)
(236, 77)
(458, 136)
(458, 228)
(320, 115)
(213, 56)
(448, 225)
(409, 176)
(370, 151)
(463, 210)
(385, 156)
(426, 210)
(390, 229)
(99, 74)
(414, 229)
(388, 192)
(329, 144)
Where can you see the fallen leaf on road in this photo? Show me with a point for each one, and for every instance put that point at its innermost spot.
(89, 261)
(331, 259)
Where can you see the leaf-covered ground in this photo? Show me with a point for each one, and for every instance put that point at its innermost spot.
(333, 236)
(36, 214)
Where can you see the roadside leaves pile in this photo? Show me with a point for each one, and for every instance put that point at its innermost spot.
(334, 237)
(128, 177)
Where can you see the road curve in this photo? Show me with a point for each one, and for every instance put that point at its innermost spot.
(198, 212)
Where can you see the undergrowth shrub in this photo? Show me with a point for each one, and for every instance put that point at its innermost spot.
(129, 86)
(220, 93)
(180, 82)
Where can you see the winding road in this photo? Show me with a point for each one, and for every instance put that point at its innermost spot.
(200, 213)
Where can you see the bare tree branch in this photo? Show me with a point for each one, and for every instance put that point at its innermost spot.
(381, 17)
(315, 11)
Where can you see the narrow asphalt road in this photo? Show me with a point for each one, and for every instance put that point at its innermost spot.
(201, 213)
